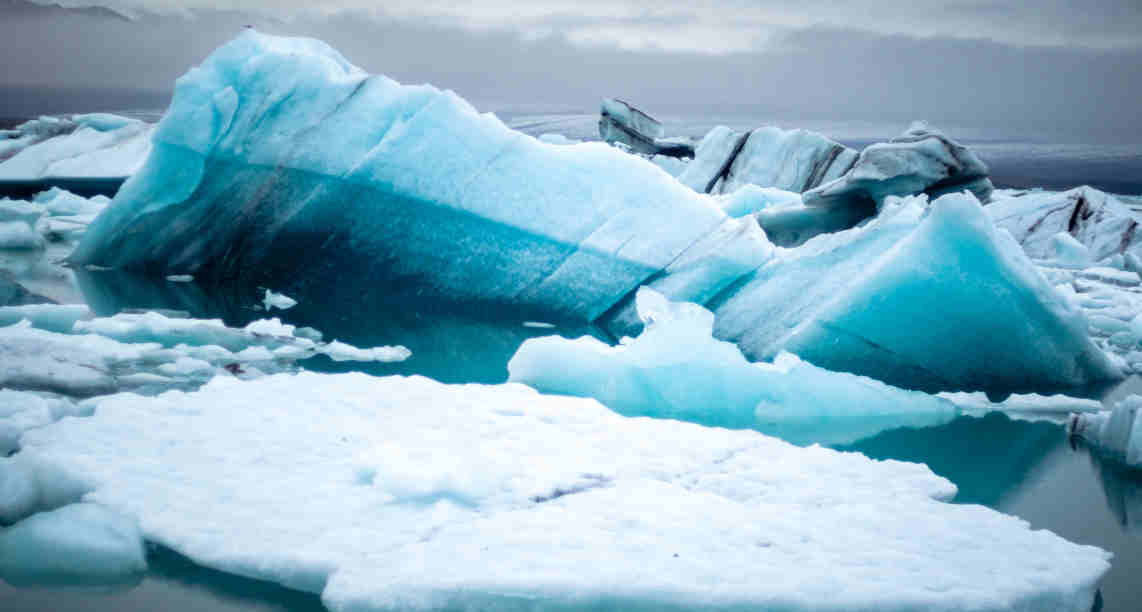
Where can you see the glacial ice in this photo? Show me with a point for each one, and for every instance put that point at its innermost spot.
(1118, 431)
(93, 145)
(1028, 406)
(922, 160)
(1098, 221)
(934, 298)
(78, 544)
(677, 369)
(791, 160)
(619, 122)
(281, 146)
(21, 411)
(500, 496)
(54, 215)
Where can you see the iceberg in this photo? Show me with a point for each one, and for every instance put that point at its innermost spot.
(676, 369)
(792, 160)
(83, 544)
(1116, 432)
(503, 497)
(933, 298)
(922, 160)
(21, 411)
(1100, 222)
(279, 160)
(619, 122)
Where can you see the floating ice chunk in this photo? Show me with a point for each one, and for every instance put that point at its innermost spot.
(1068, 251)
(89, 147)
(339, 351)
(51, 317)
(1031, 405)
(180, 278)
(1118, 432)
(21, 411)
(935, 299)
(922, 160)
(750, 199)
(58, 201)
(792, 160)
(28, 487)
(502, 495)
(278, 300)
(538, 324)
(676, 369)
(621, 123)
(20, 235)
(331, 167)
(1099, 221)
(76, 544)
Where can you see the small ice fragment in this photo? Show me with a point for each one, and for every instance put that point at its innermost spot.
(180, 278)
(77, 544)
(539, 324)
(339, 351)
(278, 300)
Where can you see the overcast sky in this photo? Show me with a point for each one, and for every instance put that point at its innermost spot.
(1076, 65)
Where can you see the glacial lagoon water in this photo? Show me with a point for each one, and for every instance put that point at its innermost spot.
(1029, 469)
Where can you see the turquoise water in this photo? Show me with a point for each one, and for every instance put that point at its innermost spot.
(1029, 469)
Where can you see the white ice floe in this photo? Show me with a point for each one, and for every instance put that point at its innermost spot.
(76, 544)
(180, 278)
(96, 145)
(1028, 406)
(922, 296)
(54, 215)
(1118, 432)
(499, 496)
(677, 369)
(150, 352)
(277, 300)
(21, 411)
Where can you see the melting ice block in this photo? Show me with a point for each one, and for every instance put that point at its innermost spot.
(1096, 220)
(278, 158)
(77, 544)
(502, 497)
(922, 160)
(677, 369)
(934, 298)
(1118, 432)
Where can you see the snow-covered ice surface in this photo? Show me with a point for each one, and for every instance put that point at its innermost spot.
(392, 184)
(541, 501)
(76, 544)
(676, 369)
(920, 297)
(93, 145)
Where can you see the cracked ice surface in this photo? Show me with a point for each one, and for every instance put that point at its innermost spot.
(345, 485)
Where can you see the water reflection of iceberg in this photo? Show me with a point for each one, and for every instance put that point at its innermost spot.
(449, 342)
(1123, 488)
(989, 458)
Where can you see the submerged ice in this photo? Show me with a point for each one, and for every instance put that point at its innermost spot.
(499, 496)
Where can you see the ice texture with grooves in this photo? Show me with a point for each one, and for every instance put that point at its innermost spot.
(921, 160)
(792, 160)
(502, 497)
(935, 298)
(93, 145)
(278, 158)
(1100, 222)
